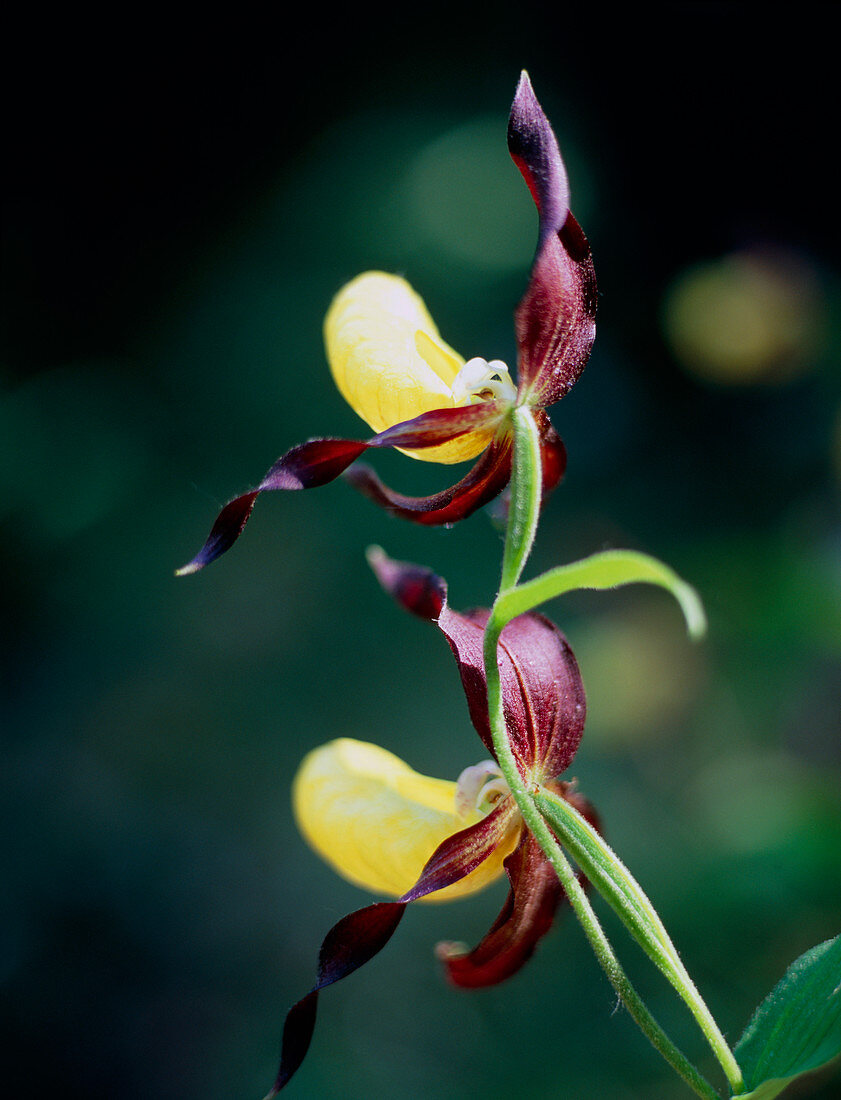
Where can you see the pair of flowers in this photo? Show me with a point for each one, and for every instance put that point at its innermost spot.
(378, 822)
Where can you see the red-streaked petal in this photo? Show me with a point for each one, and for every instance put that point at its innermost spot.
(548, 706)
(440, 425)
(320, 461)
(525, 918)
(542, 692)
(361, 935)
(462, 852)
(555, 321)
(478, 487)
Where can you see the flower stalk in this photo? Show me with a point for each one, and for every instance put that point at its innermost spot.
(551, 818)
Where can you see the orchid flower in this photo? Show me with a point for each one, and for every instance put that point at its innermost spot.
(395, 832)
(420, 396)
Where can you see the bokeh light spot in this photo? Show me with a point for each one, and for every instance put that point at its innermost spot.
(469, 199)
(753, 316)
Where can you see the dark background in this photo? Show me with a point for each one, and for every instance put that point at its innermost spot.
(182, 197)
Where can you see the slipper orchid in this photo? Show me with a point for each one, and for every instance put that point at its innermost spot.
(420, 396)
(393, 831)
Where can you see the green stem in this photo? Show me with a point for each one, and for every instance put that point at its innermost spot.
(618, 887)
(522, 524)
(578, 899)
(526, 492)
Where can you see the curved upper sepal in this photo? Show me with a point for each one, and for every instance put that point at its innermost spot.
(542, 691)
(534, 149)
(555, 321)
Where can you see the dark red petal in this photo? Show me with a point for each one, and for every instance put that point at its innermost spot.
(461, 853)
(304, 467)
(417, 588)
(542, 693)
(525, 918)
(359, 936)
(555, 321)
(527, 914)
(312, 464)
(484, 481)
(440, 425)
(347, 946)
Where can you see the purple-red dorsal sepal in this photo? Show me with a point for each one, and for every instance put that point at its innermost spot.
(555, 321)
(534, 149)
(542, 691)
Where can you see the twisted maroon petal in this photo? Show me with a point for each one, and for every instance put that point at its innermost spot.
(320, 461)
(361, 935)
(542, 692)
(440, 425)
(304, 467)
(347, 946)
(462, 852)
(555, 321)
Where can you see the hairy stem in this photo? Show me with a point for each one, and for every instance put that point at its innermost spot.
(522, 525)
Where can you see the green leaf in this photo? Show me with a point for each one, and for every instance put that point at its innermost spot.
(797, 1028)
(609, 569)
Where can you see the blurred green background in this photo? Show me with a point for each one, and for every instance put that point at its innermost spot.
(181, 202)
